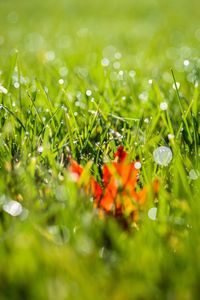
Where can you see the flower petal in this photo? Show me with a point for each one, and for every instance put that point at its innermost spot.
(120, 154)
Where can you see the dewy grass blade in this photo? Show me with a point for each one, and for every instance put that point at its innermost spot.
(35, 107)
(177, 92)
(184, 115)
(16, 118)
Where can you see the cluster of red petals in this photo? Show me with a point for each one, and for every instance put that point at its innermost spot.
(118, 194)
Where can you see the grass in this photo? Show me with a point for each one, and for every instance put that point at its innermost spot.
(51, 57)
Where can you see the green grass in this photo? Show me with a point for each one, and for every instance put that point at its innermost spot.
(58, 248)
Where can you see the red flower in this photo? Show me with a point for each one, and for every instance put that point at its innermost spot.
(120, 154)
(76, 170)
(119, 194)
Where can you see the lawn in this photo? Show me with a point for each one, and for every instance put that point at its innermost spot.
(78, 80)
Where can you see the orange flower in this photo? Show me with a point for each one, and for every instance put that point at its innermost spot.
(75, 169)
(90, 185)
(119, 194)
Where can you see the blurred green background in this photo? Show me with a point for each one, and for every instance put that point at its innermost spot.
(149, 33)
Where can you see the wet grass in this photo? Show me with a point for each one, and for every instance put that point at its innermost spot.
(79, 79)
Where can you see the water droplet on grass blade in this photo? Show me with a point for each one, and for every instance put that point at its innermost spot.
(186, 62)
(150, 81)
(61, 81)
(3, 90)
(50, 55)
(88, 93)
(132, 73)
(63, 71)
(194, 174)
(13, 208)
(118, 55)
(137, 165)
(163, 106)
(116, 65)
(40, 149)
(176, 85)
(152, 213)
(171, 136)
(143, 96)
(16, 85)
(105, 62)
(162, 156)
(121, 75)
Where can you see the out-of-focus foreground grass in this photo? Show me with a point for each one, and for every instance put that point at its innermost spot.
(80, 78)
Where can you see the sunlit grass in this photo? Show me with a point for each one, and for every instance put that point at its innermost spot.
(77, 80)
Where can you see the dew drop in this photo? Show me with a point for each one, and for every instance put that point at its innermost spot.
(137, 165)
(162, 156)
(163, 106)
(16, 85)
(61, 81)
(3, 90)
(186, 63)
(40, 149)
(150, 81)
(132, 73)
(152, 213)
(63, 71)
(116, 65)
(194, 174)
(143, 97)
(177, 85)
(88, 93)
(13, 208)
(105, 62)
(171, 136)
(118, 55)
(50, 55)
